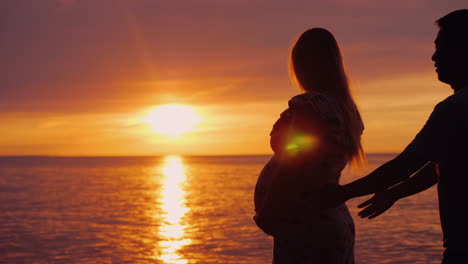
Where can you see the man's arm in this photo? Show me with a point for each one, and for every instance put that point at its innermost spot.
(393, 172)
(382, 201)
(387, 175)
(428, 145)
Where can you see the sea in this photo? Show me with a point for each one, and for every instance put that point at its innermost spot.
(176, 209)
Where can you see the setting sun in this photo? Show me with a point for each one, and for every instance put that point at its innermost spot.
(172, 119)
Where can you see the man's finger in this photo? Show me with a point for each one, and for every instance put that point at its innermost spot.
(376, 214)
(371, 200)
(368, 211)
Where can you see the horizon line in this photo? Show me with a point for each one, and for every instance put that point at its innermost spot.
(158, 155)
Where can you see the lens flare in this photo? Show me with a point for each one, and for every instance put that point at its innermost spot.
(301, 143)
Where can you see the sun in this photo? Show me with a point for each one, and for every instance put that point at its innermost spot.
(172, 119)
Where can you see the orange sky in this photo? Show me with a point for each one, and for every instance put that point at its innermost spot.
(79, 75)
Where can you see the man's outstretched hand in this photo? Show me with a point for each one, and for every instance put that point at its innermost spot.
(378, 204)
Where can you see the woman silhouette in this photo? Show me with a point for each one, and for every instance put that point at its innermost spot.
(313, 140)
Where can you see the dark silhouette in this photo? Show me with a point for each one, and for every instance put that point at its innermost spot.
(312, 141)
(438, 154)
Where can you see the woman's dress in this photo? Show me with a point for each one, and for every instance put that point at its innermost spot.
(310, 142)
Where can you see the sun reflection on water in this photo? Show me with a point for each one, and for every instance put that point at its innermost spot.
(172, 200)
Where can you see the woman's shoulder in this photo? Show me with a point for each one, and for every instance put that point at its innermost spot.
(304, 103)
(308, 97)
(314, 102)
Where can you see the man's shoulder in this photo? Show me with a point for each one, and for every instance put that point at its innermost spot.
(454, 101)
(458, 97)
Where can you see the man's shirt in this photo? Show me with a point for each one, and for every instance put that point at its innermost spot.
(444, 140)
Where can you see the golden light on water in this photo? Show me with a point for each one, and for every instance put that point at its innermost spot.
(172, 200)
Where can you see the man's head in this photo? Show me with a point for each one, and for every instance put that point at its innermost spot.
(451, 55)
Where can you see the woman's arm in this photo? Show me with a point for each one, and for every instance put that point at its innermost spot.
(295, 136)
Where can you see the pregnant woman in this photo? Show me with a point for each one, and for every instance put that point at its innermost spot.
(313, 140)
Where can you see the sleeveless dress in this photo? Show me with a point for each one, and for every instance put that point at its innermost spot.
(303, 232)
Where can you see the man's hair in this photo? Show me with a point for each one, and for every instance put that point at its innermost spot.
(455, 24)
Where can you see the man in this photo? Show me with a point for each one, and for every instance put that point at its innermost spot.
(438, 154)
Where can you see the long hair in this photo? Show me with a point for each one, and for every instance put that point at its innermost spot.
(316, 65)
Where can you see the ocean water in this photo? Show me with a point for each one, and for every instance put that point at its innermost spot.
(174, 210)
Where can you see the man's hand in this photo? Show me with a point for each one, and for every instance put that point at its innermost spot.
(383, 200)
(378, 204)
(332, 195)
